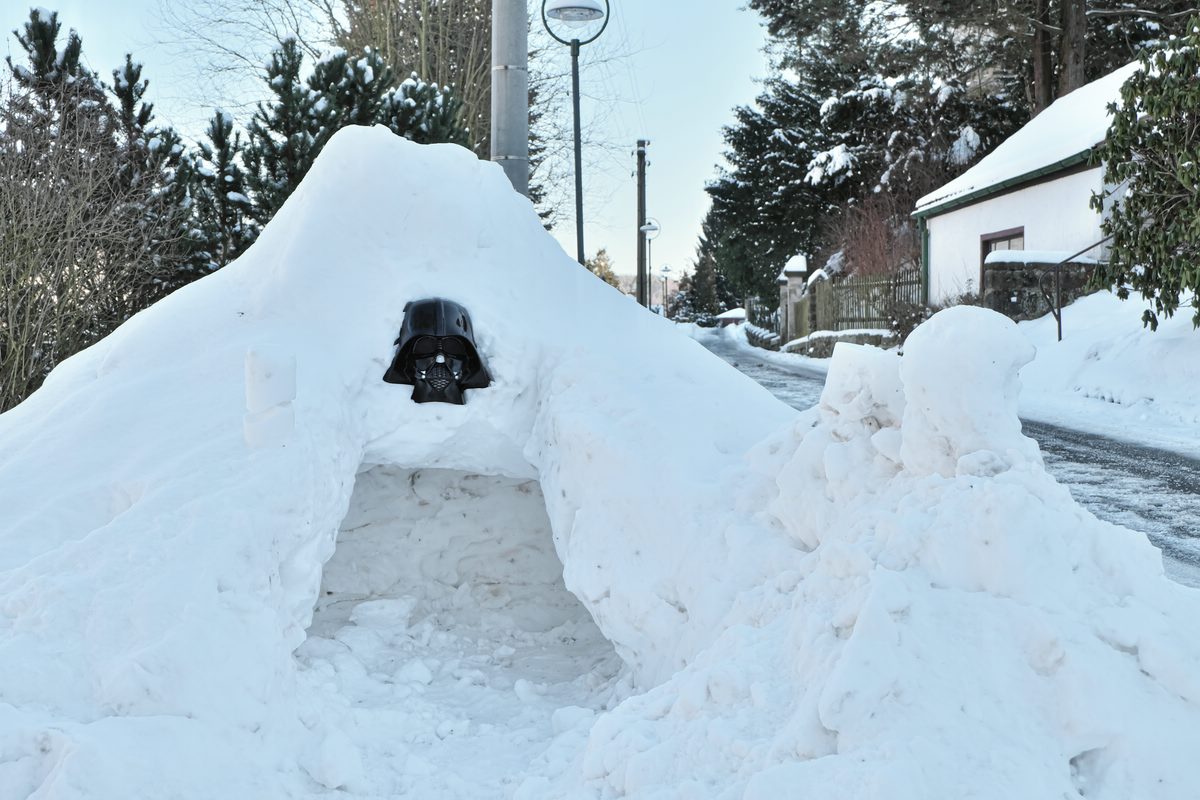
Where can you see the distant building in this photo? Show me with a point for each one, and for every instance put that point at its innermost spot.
(734, 316)
(1032, 194)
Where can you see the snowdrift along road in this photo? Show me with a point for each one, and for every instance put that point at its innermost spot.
(884, 596)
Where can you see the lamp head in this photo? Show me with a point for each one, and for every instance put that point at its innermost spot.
(575, 12)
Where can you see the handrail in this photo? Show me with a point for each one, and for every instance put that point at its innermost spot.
(1055, 303)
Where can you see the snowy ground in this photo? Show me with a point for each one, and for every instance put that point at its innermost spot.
(1153, 491)
(235, 563)
(445, 648)
(1112, 376)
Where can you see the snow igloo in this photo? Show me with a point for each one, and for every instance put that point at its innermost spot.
(273, 536)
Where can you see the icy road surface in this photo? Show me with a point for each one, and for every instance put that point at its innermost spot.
(1152, 491)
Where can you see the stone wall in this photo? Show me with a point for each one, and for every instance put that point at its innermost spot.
(821, 344)
(1013, 288)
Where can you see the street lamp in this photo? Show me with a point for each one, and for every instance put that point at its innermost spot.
(650, 231)
(574, 14)
(666, 273)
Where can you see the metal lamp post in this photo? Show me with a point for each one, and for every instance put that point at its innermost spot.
(666, 273)
(510, 91)
(650, 232)
(575, 13)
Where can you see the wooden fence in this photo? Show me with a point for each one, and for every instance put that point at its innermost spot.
(861, 301)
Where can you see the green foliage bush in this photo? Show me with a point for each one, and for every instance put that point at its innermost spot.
(1152, 166)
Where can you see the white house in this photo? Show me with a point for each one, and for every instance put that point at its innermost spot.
(1031, 193)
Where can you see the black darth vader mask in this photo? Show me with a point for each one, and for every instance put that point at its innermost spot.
(436, 353)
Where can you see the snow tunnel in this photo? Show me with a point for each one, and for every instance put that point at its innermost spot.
(460, 565)
(444, 623)
(443, 619)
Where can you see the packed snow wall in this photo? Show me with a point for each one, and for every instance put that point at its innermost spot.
(885, 596)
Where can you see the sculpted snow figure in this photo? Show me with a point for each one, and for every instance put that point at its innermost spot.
(886, 596)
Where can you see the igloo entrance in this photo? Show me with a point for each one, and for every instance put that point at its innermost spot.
(443, 631)
(461, 550)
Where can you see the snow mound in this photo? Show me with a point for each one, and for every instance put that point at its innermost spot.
(235, 563)
(1141, 381)
(956, 626)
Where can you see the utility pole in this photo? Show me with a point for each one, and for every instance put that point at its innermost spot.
(510, 91)
(642, 278)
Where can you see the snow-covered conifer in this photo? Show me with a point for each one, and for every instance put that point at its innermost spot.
(424, 112)
(223, 209)
(283, 135)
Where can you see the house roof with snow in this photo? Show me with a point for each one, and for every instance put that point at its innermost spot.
(733, 313)
(1061, 137)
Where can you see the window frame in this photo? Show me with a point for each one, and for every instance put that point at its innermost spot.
(987, 239)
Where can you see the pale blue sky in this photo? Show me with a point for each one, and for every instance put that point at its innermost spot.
(682, 67)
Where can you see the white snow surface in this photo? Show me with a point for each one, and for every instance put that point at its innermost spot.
(235, 563)
(1112, 375)
(1036, 257)
(1069, 126)
(796, 265)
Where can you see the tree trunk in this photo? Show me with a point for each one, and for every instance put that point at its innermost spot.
(1073, 46)
(1043, 69)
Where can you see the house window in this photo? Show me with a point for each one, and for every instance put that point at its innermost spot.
(1011, 239)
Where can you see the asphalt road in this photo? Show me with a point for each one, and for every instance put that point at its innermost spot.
(1153, 491)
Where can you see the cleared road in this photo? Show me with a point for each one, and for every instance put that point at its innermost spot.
(1153, 491)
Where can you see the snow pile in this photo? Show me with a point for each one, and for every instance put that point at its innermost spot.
(235, 563)
(1126, 380)
(954, 627)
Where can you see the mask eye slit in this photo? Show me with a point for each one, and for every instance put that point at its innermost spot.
(425, 347)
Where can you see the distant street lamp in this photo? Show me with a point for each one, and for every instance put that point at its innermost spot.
(666, 273)
(650, 231)
(576, 14)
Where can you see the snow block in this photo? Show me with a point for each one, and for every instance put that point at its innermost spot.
(270, 380)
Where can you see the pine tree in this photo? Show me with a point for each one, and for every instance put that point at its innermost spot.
(223, 210)
(424, 112)
(288, 132)
(155, 174)
(764, 210)
(600, 265)
(57, 93)
(348, 91)
(283, 135)
(706, 291)
(1152, 159)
